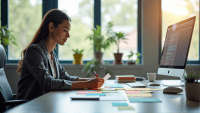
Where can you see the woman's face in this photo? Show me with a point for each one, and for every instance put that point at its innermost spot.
(61, 33)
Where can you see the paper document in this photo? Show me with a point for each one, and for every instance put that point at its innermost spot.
(107, 77)
(144, 100)
(119, 104)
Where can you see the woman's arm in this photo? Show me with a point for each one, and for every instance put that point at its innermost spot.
(82, 79)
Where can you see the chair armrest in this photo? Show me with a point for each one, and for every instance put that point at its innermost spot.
(12, 102)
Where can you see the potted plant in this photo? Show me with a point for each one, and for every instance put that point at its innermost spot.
(118, 56)
(99, 42)
(130, 56)
(77, 56)
(6, 37)
(94, 65)
(192, 87)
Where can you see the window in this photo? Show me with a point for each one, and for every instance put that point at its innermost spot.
(25, 17)
(81, 13)
(123, 14)
(174, 11)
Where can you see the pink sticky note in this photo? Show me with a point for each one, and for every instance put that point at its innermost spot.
(131, 92)
(83, 92)
(107, 86)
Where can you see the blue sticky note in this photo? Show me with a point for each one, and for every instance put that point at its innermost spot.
(119, 104)
(95, 94)
(116, 86)
(144, 99)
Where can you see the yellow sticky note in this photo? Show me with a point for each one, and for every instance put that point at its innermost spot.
(140, 95)
(119, 88)
(125, 107)
(142, 89)
(130, 89)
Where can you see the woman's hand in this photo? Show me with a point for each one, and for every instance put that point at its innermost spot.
(95, 83)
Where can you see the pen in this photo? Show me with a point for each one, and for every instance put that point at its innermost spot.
(96, 74)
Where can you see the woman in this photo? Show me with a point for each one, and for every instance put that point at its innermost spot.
(39, 67)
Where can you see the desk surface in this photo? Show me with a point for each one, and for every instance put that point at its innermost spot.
(59, 101)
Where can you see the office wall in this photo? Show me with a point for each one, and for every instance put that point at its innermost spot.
(150, 51)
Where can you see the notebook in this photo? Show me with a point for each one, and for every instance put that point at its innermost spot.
(136, 85)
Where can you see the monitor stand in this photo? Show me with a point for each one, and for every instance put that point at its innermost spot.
(181, 84)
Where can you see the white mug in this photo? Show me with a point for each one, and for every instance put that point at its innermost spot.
(151, 77)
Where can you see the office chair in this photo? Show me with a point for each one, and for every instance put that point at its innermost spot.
(6, 95)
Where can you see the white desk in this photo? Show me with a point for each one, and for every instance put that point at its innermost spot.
(59, 101)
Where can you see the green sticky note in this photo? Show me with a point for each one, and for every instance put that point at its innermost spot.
(125, 108)
(95, 94)
(144, 100)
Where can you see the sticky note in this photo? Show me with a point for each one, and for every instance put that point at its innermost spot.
(109, 91)
(86, 92)
(119, 88)
(96, 94)
(140, 95)
(130, 89)
(107, 86)
(131, 92)
(146, 91)
(142, 89)
(116, 86)
(125, 107)
(119, 104)
(144, 100)
(107, 77)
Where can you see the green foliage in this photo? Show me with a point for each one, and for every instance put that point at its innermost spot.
(118, 37)
(77, 51)
(191, 78)
(94, 65)
(99, 41)
(6, 37)
(132, 54)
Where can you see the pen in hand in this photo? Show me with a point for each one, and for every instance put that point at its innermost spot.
(96, 74)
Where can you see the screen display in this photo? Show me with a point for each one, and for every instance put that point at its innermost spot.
(177, 44)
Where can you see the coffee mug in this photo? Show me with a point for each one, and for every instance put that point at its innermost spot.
(151, 77)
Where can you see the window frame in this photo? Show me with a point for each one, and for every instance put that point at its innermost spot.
(160, 36)
(50, 4)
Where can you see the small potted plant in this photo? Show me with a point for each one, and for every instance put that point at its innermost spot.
(77, 56)
(130, 56)
(94, 65)
(6, 37)
(192, 87)
(118, 56)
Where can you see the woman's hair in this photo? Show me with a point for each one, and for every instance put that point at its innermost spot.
(56, 16)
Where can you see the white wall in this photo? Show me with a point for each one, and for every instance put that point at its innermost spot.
(150, 51)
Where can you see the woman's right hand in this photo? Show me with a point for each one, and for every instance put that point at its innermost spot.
(92, 83)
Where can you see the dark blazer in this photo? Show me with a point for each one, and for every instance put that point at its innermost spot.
(37, 76)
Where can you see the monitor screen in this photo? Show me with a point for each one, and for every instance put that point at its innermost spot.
(177, 43)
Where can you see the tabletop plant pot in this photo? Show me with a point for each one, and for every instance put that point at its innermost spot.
(78, 59)
(118, 58)
(192, 91)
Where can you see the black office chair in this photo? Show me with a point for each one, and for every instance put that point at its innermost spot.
(6, 95)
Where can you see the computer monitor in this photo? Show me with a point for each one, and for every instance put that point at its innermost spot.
(176, 48)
